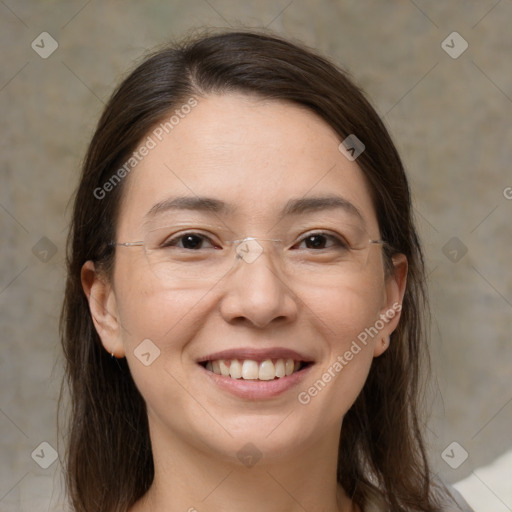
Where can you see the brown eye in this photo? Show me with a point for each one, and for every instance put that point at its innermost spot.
(315, 242)
(190, 241)
(323, 241)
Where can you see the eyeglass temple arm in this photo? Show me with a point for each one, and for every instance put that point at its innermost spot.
(126, 244)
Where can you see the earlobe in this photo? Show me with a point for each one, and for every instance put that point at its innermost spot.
(382, 345)
(103, 308)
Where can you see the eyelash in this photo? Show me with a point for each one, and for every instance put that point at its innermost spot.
(339, 241)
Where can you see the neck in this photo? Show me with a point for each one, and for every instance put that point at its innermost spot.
(192, 479)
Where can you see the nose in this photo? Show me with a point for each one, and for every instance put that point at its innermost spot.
(256, 292)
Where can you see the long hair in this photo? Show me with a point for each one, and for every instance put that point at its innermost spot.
(109, 463)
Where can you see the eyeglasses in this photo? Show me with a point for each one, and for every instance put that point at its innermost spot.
(195, 257)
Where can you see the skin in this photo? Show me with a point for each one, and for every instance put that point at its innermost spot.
(255, 155)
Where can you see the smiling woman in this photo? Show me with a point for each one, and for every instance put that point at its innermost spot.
(251, 258)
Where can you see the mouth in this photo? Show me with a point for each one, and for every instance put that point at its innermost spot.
(256, 364)
(253, 369)
(256, 374)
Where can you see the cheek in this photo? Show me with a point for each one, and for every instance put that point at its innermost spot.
(161, 316)
(160, 324)
(344, 317)
(146, 309)
(346, 309)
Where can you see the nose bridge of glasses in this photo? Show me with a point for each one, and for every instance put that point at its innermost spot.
(249, 248)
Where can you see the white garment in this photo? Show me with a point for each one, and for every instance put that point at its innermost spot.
(489, 487)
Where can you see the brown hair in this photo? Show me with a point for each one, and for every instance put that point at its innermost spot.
(109, 461)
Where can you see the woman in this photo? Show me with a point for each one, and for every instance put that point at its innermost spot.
(244, 310)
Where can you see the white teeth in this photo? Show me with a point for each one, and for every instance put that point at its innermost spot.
(216, 367)
(249, 369)
(280, 368)
(267, 370)
(235, 369)
(224, 368)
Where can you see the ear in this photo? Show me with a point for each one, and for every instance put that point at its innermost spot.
(103, 308)
(394, 290)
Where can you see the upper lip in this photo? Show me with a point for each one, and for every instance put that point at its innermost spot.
(256, 354)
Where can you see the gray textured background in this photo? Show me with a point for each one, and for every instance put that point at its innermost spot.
(451, 120)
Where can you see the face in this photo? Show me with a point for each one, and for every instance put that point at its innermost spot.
(303, 299)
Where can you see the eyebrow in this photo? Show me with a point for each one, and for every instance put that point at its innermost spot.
(299, 206)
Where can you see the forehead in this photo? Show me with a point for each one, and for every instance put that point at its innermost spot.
(251, 154)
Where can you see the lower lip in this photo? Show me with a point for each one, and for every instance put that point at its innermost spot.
(257, 389)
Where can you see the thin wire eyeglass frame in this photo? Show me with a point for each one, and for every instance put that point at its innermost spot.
(240, 241)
